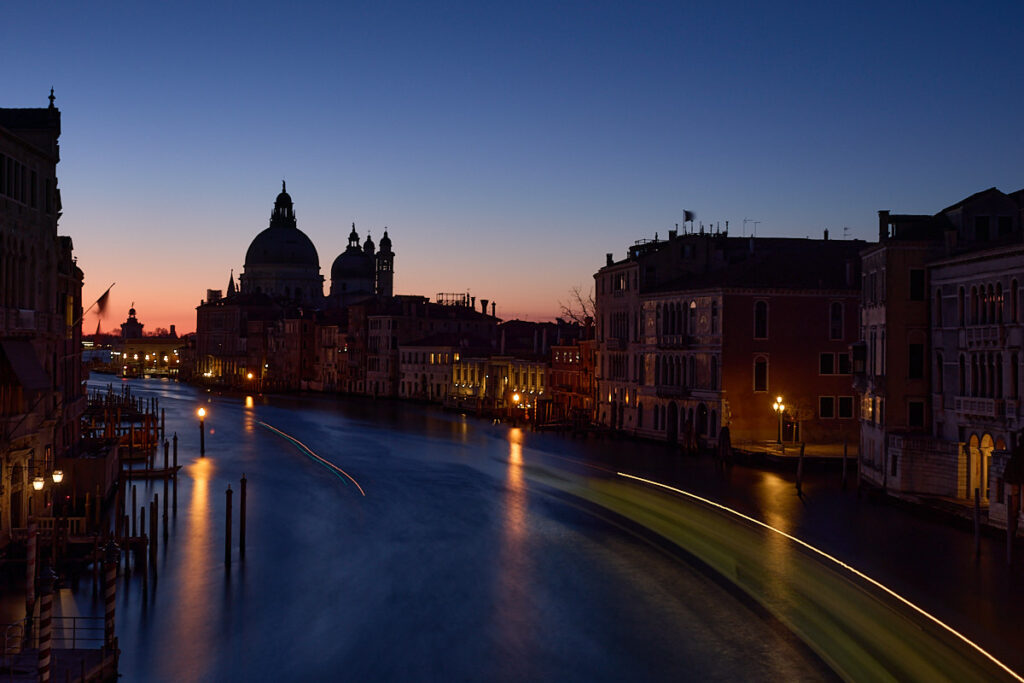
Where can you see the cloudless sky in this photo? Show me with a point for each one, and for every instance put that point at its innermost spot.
(506, 146)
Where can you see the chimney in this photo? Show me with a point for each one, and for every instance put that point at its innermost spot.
(826, 234)
(173, 333)
(608, 260)
(494, 307)
(483, 305)
(883, 225)
(472, 302)
(672, 233)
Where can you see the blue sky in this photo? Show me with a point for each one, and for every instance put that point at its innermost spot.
(508, 146)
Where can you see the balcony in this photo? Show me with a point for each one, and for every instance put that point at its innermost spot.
(674, 341)
(669, 391)
(980, 407)
(982, 337)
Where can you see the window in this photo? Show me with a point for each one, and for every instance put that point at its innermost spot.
(1005, 225)
(938, 308)
(826, 407)
(844, 364)
(917, 284)
(960, 308)
(915, 414)
(938, 373)
(846, 407)
(915, 361)
(760, 320)
(760, 374)
(714, 317)
(835, 320)
(981, 228)
(826, 364)
(692, 321)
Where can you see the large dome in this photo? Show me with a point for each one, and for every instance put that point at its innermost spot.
(282, 246)
(352, 264)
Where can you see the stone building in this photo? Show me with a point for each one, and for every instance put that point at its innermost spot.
(703, 331)
(941, 355)
(41, 392)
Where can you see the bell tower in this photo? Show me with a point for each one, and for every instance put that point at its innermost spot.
(385, 267)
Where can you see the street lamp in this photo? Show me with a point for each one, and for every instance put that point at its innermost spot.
(38, 483)
(202, 431)
(58, 476)
(779, 408)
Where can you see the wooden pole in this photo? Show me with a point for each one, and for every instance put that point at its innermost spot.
(241, 521)
(166, 446)
(977, 523)
(175, 451)
(45, 626)
(134, 508)
(30, 565)
(165, 508)
(163, 423)
(844, 463)
(154, 518)
(110, 564)
(800, 470)
(227, 528)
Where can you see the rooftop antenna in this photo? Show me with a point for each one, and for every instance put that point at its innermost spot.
(749, 220)
(846, 232)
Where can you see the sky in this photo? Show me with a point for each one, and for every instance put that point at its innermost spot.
(507, 147)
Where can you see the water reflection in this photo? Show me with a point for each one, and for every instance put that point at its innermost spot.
(191, 620)
(513, 613)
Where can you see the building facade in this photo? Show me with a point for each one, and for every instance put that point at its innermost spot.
(42, 396)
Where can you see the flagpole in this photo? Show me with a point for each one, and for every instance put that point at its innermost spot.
(103, 298)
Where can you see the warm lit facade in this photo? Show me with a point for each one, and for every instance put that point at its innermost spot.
(701, 331)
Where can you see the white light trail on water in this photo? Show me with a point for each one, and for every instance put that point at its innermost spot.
(309, 451)
(837, 561)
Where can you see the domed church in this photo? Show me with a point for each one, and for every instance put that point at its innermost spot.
(361, 272)
(282, 261)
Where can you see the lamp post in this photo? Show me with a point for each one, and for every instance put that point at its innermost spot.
(515, 407)
(779, 408)
(202, 431)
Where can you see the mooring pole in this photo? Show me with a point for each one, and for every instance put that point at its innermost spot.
(227, 528)
(241, 521)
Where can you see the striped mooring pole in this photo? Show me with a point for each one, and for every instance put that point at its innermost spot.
(45, 622)
(111, 560)
(30, 574)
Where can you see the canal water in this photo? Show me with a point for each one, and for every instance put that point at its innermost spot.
(454, 565)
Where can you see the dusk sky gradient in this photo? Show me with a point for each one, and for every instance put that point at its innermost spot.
(506, 146)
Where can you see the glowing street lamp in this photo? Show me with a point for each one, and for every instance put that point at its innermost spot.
(38, 483)
(202, 431)
(58, 476)
(249, 376)
(779, 408)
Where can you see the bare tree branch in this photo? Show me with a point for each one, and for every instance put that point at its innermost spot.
(580, 307)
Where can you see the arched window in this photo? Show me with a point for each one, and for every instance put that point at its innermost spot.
(760, 320)
(991, 300)
(835, 320)
(960, 308)
(714, 372)
(692, 322)
(760, 374)
(714, 317)
(963, 376)
(1014, 302)
(999, 302)
(1014, 376)
(938, 373)
(974, 305)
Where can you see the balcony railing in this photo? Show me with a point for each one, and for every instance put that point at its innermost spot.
(674, 341)
(980, 407)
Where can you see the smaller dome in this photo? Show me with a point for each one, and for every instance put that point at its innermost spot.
(385, 241)
(351, 264)
(283, 199)
(131, 312)
(368, 244)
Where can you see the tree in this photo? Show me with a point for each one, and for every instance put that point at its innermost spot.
(580, 307)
